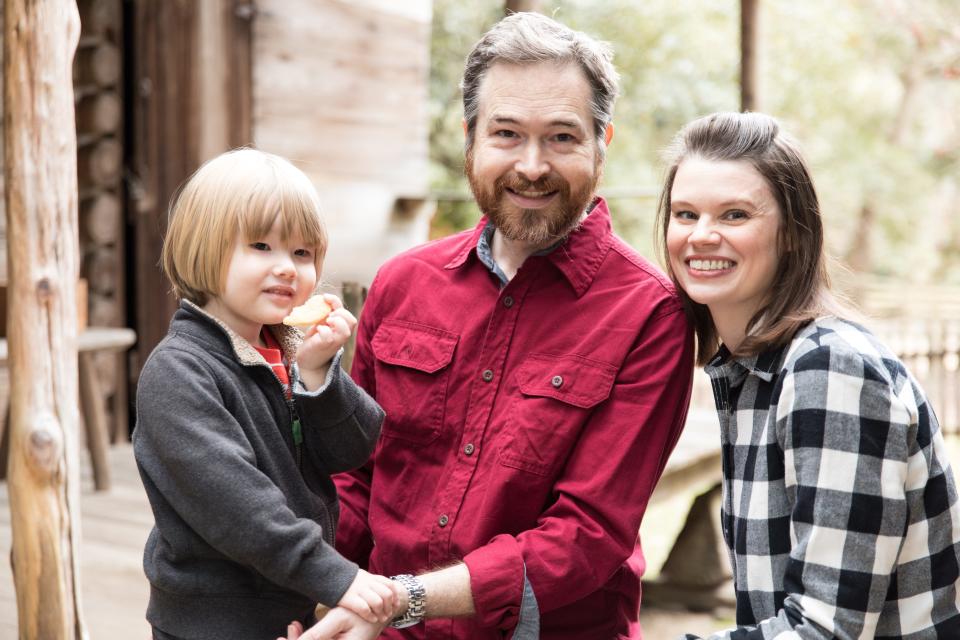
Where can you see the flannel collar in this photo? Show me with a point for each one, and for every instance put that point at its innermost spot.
(578, 256)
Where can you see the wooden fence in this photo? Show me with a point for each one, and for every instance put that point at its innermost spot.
(931, 350)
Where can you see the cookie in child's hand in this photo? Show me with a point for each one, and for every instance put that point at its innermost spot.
(312, 312)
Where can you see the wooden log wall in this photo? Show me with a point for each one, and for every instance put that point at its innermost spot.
(98, 90)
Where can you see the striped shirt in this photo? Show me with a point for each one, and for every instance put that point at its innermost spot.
(839, 509)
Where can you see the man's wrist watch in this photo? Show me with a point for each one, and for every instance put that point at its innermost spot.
(416, 601)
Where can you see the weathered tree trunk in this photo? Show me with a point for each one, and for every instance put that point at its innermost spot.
(749, 55)
(40, 38)
(515, 6)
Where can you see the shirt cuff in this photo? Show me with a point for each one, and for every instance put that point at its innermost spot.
(497, 582)
(332, 371)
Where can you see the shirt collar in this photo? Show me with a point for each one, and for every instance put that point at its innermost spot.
(763, 365)
(578, 256)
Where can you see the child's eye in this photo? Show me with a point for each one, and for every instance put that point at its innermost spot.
(260, 246)
(304, 253)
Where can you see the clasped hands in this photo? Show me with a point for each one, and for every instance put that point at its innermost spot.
(368, 605)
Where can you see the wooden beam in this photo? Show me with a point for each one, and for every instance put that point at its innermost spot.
(749, 55)
(40, 175)
(516, 6)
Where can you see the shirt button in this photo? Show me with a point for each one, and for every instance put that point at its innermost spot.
(469, 449)
(487, 375)
(508, 302)
(557, 381)
(443, 520)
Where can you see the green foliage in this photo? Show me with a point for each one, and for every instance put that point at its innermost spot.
(870, 88)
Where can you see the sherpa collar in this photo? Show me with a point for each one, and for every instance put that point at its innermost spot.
(289, 338)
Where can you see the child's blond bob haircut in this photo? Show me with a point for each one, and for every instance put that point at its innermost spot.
(239, 192)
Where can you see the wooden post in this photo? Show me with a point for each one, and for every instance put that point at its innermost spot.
(40, 175)
(354, 295)
(515, 6)
(749, 55)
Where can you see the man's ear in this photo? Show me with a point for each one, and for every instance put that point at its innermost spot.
(608, 134)
(464, 123)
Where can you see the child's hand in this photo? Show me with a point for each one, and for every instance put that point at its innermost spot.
(322, 341)
(294, 631)
(374, 598)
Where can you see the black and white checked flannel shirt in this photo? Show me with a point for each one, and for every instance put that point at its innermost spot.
(840, 509)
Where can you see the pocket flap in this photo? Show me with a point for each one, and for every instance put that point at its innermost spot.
(572, 379)
(414, 345)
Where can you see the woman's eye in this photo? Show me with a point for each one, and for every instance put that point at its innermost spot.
(737, 214)
(260, 246)
(684, 215)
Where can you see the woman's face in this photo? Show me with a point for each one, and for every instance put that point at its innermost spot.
(722, 236)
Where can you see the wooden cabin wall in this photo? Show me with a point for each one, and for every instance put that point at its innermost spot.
(191, 102)
(341, 88)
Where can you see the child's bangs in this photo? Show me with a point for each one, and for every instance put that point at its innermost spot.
(297, 210)
(300, 215)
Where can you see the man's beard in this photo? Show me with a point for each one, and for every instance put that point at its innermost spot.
(537, 227)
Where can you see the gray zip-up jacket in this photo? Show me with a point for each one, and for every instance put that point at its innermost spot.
(245, 517)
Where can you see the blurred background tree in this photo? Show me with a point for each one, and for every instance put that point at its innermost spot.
(870, 88)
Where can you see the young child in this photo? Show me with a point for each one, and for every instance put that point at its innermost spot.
(242, 420)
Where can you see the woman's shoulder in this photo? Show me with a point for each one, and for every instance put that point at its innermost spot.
(839, 345)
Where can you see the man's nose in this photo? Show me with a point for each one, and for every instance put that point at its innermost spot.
(532, 163)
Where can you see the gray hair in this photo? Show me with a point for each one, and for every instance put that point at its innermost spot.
(527, 38)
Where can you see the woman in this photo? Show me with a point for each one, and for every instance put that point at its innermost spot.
(840, 509)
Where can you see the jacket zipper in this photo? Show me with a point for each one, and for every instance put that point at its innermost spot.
(297, 429)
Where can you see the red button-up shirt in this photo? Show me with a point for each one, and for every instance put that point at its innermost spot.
(526, 427)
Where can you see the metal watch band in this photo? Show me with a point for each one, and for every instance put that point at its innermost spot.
(416, 601)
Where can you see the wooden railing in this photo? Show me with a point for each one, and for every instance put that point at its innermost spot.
(931, 350)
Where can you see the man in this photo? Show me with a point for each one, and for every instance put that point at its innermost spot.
(535, 373)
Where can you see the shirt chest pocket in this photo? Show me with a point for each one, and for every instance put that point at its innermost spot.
(554, 398)
(412, 369)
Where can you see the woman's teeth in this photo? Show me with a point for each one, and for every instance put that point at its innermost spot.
(711, 265)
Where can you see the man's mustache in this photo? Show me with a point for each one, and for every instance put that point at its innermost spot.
(516, 182)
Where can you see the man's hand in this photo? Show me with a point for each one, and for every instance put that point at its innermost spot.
(374, 598)
(339, 624)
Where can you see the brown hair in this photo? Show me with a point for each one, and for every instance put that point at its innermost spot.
(528, 38)
(801, 283)
(239, 192)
